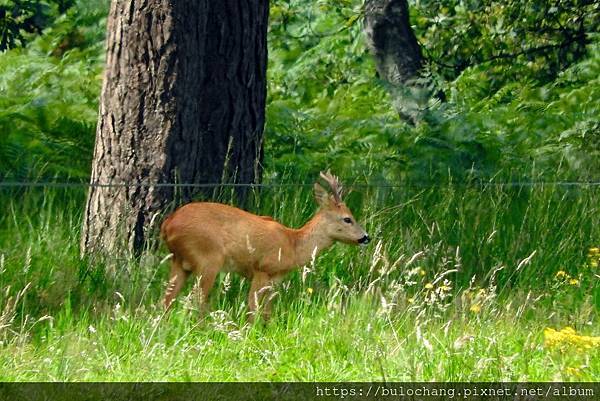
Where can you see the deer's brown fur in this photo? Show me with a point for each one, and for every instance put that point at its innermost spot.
(206, 238)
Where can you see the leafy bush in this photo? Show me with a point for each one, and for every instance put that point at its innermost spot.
(49, 98)
(22, 19)
(530, 118)
(512, 118)
(536, 38)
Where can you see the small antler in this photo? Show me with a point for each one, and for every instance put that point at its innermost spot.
(334, 183)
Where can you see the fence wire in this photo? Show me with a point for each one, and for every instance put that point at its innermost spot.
(57, 184)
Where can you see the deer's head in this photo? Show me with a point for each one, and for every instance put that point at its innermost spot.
(339, 221)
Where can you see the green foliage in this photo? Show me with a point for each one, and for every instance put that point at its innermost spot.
(22, 19)
(49, 98)
(536, 38)
(324, 106)
(528, 117)
(523, 124)
(490, 255)
(509, 117)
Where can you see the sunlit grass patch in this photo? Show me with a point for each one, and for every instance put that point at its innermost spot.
(456, 286)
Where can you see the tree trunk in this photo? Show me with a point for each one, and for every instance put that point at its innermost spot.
(397, 54)
(183, 100)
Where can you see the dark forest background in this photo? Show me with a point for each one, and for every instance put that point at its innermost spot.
(516, 83)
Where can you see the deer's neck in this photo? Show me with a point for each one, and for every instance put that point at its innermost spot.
(311, 239)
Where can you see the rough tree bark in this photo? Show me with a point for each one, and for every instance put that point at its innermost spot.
(183, 101)
(397, 54)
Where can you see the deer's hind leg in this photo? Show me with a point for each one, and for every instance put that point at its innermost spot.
(177, 278)
(206, 268)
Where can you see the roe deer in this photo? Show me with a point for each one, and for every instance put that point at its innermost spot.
(206, 238)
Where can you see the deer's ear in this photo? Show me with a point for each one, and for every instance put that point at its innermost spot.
(321, 196)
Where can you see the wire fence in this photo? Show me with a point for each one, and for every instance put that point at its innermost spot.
(64, 184)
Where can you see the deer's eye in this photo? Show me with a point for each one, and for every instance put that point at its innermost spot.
(347, 220)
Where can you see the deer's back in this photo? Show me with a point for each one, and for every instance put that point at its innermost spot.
(212, 230)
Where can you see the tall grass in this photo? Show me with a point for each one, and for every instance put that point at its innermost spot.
(459, 284)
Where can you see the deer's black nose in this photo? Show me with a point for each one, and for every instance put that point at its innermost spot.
(364, 240)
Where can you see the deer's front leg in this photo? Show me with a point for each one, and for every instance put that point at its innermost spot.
(269, 295)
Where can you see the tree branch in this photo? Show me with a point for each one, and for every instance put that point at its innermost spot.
(500, 56)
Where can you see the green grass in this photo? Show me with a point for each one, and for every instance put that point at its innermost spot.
(490, 253)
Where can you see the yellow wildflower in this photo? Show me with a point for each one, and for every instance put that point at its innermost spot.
(594, 255)
(411, 300)
(429, 286)
(475, 308)
(309, 290)
(574, 281)
(573, 371)
(569, 337)
(421, 272)
(561, 274)
(444, 287)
